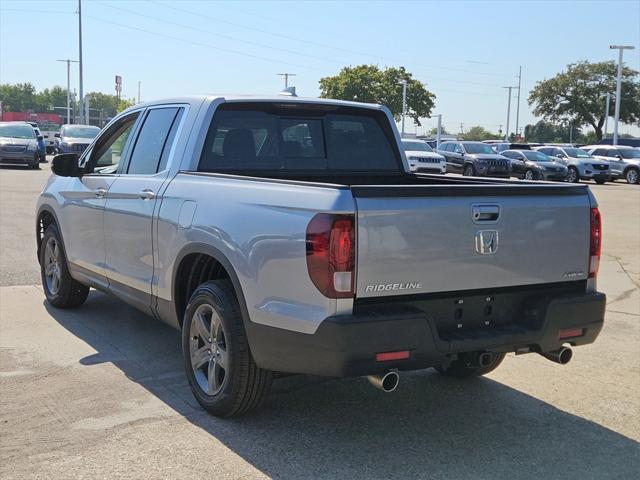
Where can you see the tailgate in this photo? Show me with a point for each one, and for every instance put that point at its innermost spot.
(424, 239)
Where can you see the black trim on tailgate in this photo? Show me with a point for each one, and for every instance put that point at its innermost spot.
(376, 191)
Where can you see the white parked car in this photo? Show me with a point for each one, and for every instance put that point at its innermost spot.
(422, 158)
(624, 161)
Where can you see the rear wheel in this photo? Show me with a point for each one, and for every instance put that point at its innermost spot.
(465, 365)
(220, 368)
(573, 176)
(469, 171)
(632, 176)
(60, 288)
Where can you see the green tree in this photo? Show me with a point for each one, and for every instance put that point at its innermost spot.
(48, 99)
(19, 97)
(370, 84)
(103, 101)
(434, 131)
(478, 134)
(577, 95)
(547, 132)
(123, 104)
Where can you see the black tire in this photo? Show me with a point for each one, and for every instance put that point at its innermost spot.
(243, 386)
(469, 170)
(632, 176)
(69, 293)
(573, 175)
(461, 367)
(530, 175)
(600, 181)
(35, 166)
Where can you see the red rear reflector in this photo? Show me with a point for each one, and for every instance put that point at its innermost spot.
(386, 356)
(595, 243)
(570, 333)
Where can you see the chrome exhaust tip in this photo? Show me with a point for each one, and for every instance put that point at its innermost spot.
(561, 356)
(387, 382)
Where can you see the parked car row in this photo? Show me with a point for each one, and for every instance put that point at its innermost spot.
(22, 143)
(600, 163)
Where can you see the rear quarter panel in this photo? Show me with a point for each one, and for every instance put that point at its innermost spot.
(260, 227)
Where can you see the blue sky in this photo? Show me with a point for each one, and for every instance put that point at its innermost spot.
(465, 51)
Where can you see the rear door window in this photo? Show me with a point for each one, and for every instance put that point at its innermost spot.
(149, 149)
(296, 137)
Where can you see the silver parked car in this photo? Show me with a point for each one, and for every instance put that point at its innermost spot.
(18, 145)
(581, 165)
(624, 160)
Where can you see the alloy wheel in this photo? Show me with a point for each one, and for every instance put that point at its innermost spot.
(208, 349)
(52, 272)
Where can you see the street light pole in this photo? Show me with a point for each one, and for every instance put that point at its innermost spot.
(68, 62)
(606, 114)
(518, 104)
(439, 130)
(404, 102)
(286, 78)
(620, 49)
(80, 57)
(139, 82)
(506, 137)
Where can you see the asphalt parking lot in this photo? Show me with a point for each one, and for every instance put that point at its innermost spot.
(99, 392)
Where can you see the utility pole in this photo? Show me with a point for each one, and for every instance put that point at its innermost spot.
(606, 114)
(518, 104)
(80, 57)
(139, 82)
(620, 49)
(506, 137)
(404, 102)
(461, 128)
(286, 78)
(439, 130)
(68, 62)
(570, 132)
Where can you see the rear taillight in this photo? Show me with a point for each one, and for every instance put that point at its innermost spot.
(595, 243)
(331, 254)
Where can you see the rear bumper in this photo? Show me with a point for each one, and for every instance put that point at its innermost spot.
(347, 345)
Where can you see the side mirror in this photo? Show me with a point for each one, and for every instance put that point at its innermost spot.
(40, 138)
(57, 135)
(66, 165)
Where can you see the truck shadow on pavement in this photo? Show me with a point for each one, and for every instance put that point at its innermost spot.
(318, 428)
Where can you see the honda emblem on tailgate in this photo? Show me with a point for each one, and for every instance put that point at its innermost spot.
(487, 242)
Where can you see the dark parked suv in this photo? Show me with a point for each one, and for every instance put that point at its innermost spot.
(474, 159)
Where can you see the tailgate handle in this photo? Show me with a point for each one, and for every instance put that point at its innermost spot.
(485, 213)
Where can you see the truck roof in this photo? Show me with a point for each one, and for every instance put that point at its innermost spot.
(198, 99)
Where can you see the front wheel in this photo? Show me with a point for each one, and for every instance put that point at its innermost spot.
(60, 288)
(573, 176)
(468, 171)
(464, 366)
(529, 175)
(632, 176)
(220, 368)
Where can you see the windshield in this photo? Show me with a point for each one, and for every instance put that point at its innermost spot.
(478, 148)
(17, 131)
(629, 153)
(537, 156)
(80, 132)
(576, 153)
(412, 145)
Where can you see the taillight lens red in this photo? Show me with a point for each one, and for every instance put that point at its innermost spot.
(595, 243)
(331, 254)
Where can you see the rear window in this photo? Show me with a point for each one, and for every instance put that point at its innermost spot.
(268, 137)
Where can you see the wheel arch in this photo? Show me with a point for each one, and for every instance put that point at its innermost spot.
(45, 217)
(195, 264)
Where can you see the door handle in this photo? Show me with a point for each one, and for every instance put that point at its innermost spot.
(100, 192)
(147, 194)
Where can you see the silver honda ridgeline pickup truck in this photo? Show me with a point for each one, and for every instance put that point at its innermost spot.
(287, 235)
